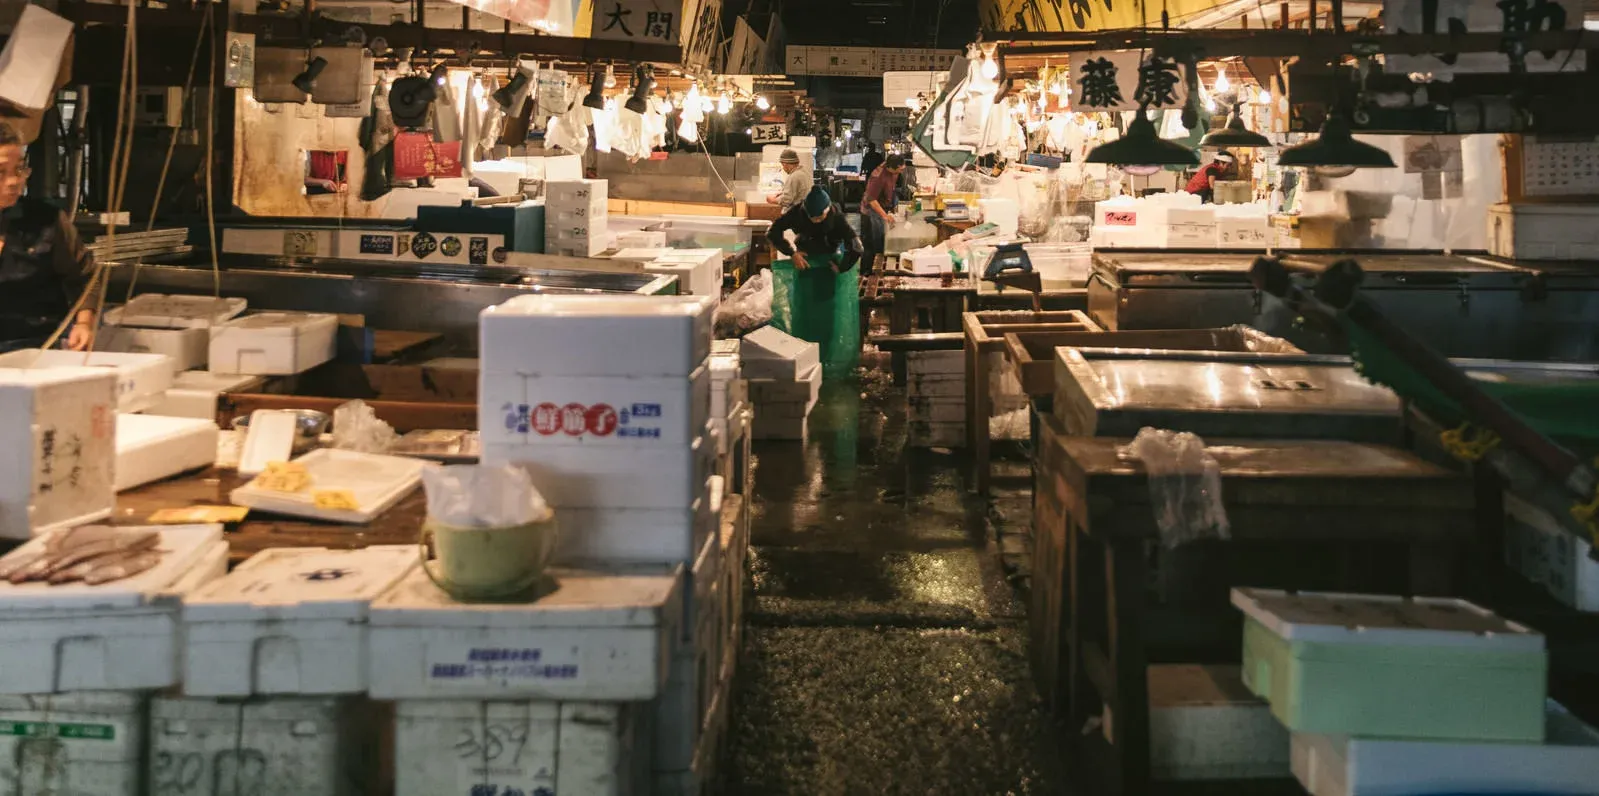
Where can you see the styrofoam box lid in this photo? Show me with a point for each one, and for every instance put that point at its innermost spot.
(281, 323)
(135, 431)
(12, 376)
(211, 382)
(600, 307)
(302, 583)
(1383, 619)
(583, 598)
(769, 342)
(160, 311)
(374, 480)
(35, 358)
(183, 546)
(641, 255)
(725, 348)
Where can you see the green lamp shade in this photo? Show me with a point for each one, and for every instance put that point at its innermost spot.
(1337, 148)
(1142, 147)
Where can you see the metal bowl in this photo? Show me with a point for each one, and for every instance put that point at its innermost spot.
(309, 422)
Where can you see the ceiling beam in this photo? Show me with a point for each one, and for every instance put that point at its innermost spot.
(1283, 43)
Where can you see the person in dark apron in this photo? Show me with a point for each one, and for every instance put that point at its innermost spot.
(877, 209)
(43, 266)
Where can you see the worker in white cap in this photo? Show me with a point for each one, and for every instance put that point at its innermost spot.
(1221, 167)
(796, 183)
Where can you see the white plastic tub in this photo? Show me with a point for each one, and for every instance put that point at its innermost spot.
(598, 636)
(89, 742)
(59, 440)
(151, 447)
(273, 343)
(291, 620)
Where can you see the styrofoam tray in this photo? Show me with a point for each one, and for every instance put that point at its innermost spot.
(1329, 617)
(377, 482)
(182, 546)
(160, 311)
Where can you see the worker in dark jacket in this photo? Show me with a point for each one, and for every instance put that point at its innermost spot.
(817, 298)
(43, 266)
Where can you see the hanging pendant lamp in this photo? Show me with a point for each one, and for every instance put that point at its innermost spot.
(1234, 134)
(1335, 148)
(596, 97)
(643, 82)
(1142, 146)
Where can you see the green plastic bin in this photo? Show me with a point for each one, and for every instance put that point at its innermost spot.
(1392, 667)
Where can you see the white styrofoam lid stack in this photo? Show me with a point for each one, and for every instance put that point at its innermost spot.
(160, 311)
(302, 583)
(279, 323)
(182, 547)
(588, 335)
(582, 599)
(1383, 619)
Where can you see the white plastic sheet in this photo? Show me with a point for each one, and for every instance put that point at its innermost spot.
(1184, 485)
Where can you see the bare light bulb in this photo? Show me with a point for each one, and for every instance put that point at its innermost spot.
(1333, 171)
(1210, 105)
(762, 103)
(610, 77)
(724, 105)
(1139, 171)
(1221, 82)
(666, 105)
(1265, 97)
(749, 131)
(990, 69)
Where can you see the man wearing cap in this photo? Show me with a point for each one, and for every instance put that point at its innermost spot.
(1222, 167)
(877, 208)
(796, 183)
(824, 247)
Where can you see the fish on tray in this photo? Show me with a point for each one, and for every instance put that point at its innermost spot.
(93, 554)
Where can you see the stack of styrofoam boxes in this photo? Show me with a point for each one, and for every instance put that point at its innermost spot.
(78, 662)
(575, 218)
(60, 426)
(524, 696)
(1204, 724)
(698, 271)
(273, 343)
(935, 396)
(730, 413)
(610, 415)
(141, 379)
(1355, 678)
(177, 326)
(275, 668)
(1548, 555)
(195, 393)
(1543, 231)
(785, 381)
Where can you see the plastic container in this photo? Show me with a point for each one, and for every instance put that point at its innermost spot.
(698, 271)
(160, 311)
(141, 378)
(1565, 764)
(611, 477)
(115, 636)
(596, 636)
(701, 232)
(291, 620)
(448, 746)
(601, 411)
(1375, 665)
(89, 742)
(151, 447)
(634, 336)
(60, 443)
(187, 348)
(770, 353)
(376, 482)
(607, 536)
(270, 747)
(273, 343)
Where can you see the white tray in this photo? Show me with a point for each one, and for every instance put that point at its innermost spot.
(378, 482)
(182, 545)
(160, 311)
(1383, 619)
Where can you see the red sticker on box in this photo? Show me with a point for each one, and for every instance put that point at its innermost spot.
(601, 420)
(547, 419)
(574, 419)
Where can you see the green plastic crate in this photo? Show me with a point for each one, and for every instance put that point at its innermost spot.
(1390, 667)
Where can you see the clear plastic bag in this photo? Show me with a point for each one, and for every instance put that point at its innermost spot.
(482, 496)
(1184, 486)
(748, 308)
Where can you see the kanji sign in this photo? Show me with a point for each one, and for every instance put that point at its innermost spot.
(1119, 81)
(658, 21)
(1482, 16)
(769, 133)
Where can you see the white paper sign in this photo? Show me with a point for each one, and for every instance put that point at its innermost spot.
(657, 21)
(769, 133)
(1481, 16)
(1116, 81)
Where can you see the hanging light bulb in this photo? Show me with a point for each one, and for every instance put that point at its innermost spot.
(1210, 104)
(749, 131)
(762, 103)
(1264, 97)
(666, 105)
(724, 104)
(1221, 81)
(610, 76)
(990, 69)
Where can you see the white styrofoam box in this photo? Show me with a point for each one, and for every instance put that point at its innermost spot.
(161, 311)
(556, 191)
(576, 215)
(291, 620)
(806, 390)
(194, 393)
(1205, 724)
(604, 536)
(696, 667)
(639, 254)
(376, 481)
(1191, 227)
(78, 743)
(281, 747)
(141, 378)
(151, 447)
(32, 57)
(641, 239)
(273, 343)
(770, 353)
(610, 476)
(617, 411)
(642, 336)
(930, 261)
(447, 746)
(61, 439)
(597, 635)
(1543, 231)
(574, 248)
(698, 271)
(188, 348)
(1546, 554)
(1567, 762)
(111, 637)
(1250, 232)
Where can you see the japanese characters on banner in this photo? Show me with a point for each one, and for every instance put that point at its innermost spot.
(863, 61)
(769, 133)
(747, 54)
(653, 21)
(1117, 81)
(416, 155)
(702, 20)
(1482, 16)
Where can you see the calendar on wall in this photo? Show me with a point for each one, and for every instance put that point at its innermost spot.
(1560, 166)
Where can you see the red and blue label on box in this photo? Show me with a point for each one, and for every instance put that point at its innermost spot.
(638, 421)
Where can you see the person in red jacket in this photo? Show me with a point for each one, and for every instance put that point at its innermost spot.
(1222, 167)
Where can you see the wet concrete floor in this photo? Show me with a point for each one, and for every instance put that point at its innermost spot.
(884, 649)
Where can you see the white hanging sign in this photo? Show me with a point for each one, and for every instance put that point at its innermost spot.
(655, 21)
(1117, 81)
(1482, 16)
(769, 133)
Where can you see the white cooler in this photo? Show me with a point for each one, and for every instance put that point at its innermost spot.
(269, 747)
(57, 428)
(141, 378)
(151, 447)
(273, 343)
(88, 742)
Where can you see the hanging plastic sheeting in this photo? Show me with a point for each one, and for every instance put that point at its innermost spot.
(555, 17)
(553, 96)
(627, 137)
(655, 124)
(928, 131)
(1003, 133)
